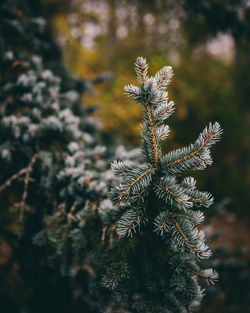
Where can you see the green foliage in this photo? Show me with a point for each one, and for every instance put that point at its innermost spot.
(54, 177)
(154, 263)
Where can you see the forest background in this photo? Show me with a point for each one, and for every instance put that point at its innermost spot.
(208, 46)
(207, 43)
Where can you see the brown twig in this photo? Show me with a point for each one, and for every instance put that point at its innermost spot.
(70, 216)
(152, 132)
(104, 233)
(27, 179)
(4, 104)
(12, 178)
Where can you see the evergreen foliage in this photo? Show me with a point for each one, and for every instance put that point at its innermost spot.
(155, 243)
(139, 252)
(50, 162)
(53, 179)
(54, 175)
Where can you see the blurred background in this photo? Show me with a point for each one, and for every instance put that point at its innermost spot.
(207, 42)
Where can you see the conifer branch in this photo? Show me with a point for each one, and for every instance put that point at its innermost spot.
(191, 155)
(136, 180)
(153, 197)
(153, 137)
(133, 184)
(165, 109)
(141, 69)
(210, 275)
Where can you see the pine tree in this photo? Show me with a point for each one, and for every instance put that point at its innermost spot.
(54, 175)
(139, 253)
(154, 245)
(49, 158)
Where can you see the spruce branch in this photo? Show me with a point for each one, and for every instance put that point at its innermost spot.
(151, 195)
(195, 156)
